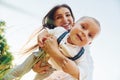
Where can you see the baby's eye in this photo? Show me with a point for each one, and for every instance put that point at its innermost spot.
(90, 35)
(83, 27)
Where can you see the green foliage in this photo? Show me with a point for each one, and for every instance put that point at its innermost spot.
(5, 55)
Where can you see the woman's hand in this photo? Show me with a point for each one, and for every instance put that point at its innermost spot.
(41, 69)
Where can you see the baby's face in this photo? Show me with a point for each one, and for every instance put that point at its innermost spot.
(84, 32)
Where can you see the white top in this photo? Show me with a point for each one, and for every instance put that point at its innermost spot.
(84, 63)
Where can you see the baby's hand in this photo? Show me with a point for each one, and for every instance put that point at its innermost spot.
(41, 40)
(42, 37)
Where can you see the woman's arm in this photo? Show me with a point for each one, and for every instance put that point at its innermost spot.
(19, 70)
(51, 47)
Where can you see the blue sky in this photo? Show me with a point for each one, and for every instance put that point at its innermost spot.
(24, 16)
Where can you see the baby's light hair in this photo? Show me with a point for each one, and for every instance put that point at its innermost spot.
(87, 17)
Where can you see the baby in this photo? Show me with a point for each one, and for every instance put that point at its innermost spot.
(82, 33)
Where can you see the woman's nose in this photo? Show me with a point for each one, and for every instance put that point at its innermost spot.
(65, 19)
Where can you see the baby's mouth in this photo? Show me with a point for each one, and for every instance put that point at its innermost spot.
(79, 37)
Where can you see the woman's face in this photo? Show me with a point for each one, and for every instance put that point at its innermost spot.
(63, 17)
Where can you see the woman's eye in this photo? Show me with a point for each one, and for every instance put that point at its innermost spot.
(58, 17)
(68, 15)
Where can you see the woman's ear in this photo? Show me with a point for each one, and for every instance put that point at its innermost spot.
(73, 24)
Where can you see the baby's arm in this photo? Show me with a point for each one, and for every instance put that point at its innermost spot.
(51, 47)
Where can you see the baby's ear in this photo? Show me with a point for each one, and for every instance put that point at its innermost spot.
(90, 43)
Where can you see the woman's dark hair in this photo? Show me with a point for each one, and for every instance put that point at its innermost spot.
(48, 20)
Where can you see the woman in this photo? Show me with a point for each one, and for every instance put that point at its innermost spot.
(60, 15)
